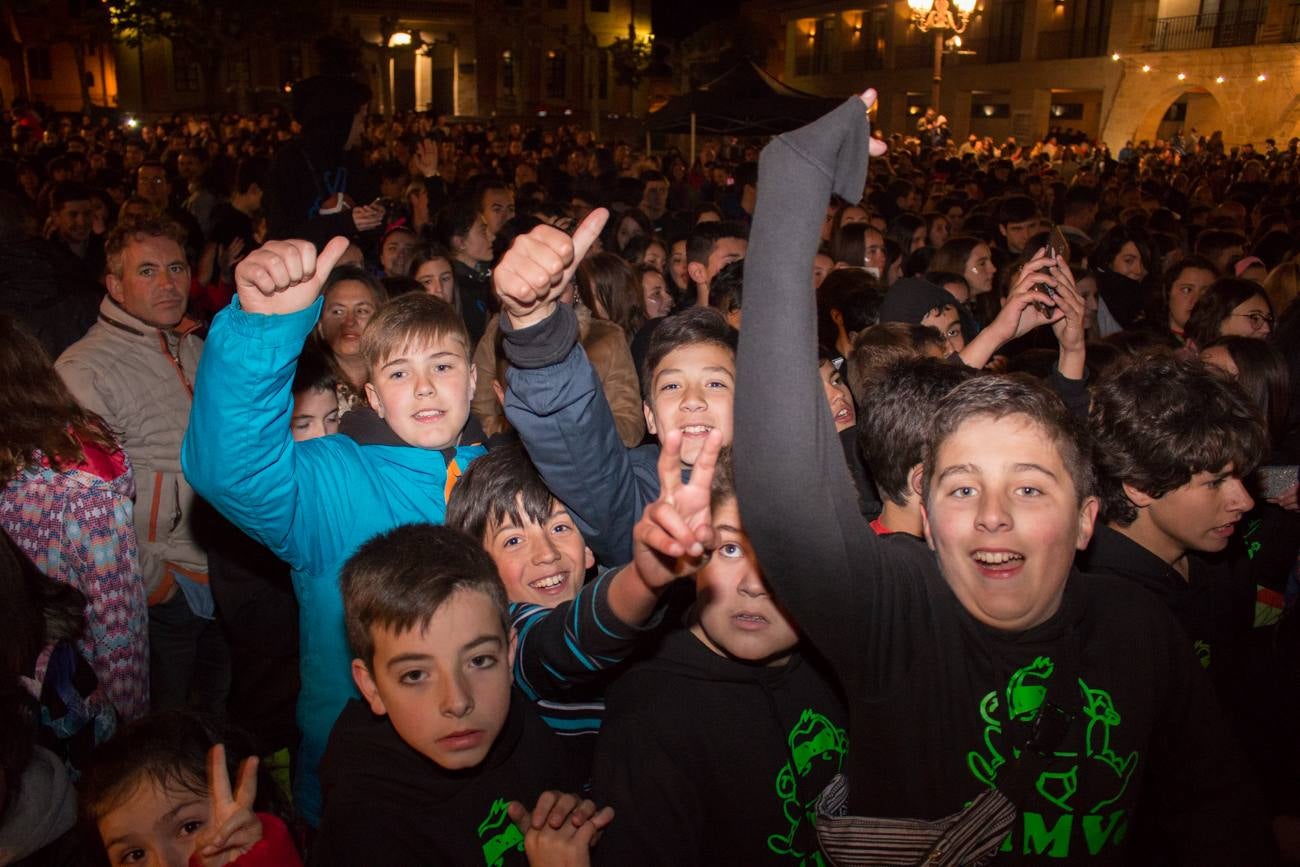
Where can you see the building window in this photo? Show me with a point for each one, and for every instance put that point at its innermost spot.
(599, 5)
(39, 65)
(555, 75)
(507, 72)
(290, 63)
(813, 46)
(1006, 31)
(1066, 111)
(185, 71)
(1089, 27)
(558, 4)
(986, 110)
(239, 70)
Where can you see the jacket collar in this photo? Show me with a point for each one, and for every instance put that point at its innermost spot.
(113, 314)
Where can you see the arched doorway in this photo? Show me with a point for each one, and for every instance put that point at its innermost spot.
(1186, 109)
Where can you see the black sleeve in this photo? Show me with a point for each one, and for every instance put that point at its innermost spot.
(657, 809)
(1207, 808)
(1072, 392)
(796, 496)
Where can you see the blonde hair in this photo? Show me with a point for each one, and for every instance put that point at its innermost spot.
(413, 318)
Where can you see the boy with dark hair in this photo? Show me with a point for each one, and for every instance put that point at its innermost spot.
(434, 765)
(848, 303)
(1174, 444)
(312, 503)
(427, 617)
(1017, 221)
(1042, 714)
(555, 401)
(893, 430)
(728, 732)
(710, 247)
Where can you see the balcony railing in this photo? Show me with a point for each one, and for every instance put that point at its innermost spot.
(1218, 30)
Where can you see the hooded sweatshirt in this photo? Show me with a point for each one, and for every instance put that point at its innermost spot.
(386, 803)
(939, 701)
(707, 760)
(315, 172)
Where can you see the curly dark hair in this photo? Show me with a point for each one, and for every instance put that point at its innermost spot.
(1159, 420)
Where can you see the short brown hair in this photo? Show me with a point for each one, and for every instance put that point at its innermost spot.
(127, 231)
(998, 397)
(880, 346)
(408, 319)
(399, 580)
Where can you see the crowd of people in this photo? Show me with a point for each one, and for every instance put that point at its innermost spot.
(397, 491)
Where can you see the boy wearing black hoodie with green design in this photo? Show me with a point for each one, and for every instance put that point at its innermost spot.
(728, 733)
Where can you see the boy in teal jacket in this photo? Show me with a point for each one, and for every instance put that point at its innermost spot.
(314, 503)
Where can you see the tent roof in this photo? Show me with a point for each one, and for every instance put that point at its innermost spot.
(744, 100)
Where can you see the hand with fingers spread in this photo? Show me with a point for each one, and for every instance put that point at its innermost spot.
(232, 827)
(1071, 328)
(424, 161)
(560, 830)
(537, 268)
(285, 276)
(676, 532)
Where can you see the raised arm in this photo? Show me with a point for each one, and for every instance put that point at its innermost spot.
(238, 451)
(555, 400)
(795, 493)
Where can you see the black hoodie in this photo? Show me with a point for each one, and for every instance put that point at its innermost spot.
(386, 804)
(938, 700)
(707, 760)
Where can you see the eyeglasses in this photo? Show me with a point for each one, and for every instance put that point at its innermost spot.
(1257, 320)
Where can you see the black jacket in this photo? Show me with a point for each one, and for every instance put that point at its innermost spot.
(387, 804)
(937, 699)
(707, 760)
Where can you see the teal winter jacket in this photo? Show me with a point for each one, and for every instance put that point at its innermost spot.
(312, 503)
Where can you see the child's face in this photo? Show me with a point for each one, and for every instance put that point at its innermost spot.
(737, 615)
(423, 392)
(543, 564)
(692, 390)
(438, 279)
(154, 826)
(1004, 519)
(1199, 516)
(315, 414)
(445, 687)
(837, 394)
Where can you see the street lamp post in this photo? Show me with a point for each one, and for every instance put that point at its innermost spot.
(943, 17)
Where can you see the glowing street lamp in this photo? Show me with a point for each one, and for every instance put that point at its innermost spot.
(942, 17)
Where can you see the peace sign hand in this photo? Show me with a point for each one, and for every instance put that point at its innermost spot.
(233, 828)
(675, 532)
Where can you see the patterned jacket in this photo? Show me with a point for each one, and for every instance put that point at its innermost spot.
(76, 526)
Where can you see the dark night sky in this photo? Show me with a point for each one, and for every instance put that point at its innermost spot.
(674, 19)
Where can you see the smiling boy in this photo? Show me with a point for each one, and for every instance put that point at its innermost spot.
(988, 684)
(313, 503)
(557, 404)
